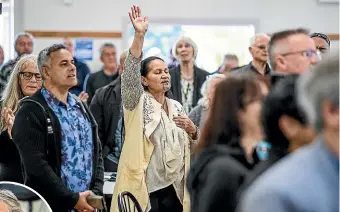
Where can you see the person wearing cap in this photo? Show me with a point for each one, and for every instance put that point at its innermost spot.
(23, 45)
(321, 41)
(186, 78)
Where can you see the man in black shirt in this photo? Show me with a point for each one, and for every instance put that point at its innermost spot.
(258, 49)
(109, 72)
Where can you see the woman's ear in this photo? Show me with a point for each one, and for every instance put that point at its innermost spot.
(144, 83)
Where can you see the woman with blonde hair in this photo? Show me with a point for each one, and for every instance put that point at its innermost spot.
(186, 78)
(25, 80)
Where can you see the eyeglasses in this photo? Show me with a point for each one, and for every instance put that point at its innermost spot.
(28, 76)
(306, 53)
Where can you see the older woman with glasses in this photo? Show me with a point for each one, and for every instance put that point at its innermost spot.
(25, 80)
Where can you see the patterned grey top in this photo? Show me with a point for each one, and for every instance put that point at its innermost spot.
(132, 88)
(197, 115)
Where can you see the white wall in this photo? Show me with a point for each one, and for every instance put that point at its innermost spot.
(111, 15)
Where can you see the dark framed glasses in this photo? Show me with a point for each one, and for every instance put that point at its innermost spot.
(28, 76)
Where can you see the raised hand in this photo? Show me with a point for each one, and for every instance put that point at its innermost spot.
(139, 22)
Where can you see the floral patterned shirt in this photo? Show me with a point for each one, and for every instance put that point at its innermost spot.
(76, 143)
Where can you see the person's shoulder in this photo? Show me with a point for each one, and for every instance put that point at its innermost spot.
(286, 174)
(201, 71)
(197, 109)
(8, 65)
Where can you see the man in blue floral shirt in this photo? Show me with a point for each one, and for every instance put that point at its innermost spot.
(57, 137)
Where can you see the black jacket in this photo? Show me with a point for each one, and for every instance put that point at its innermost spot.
(37, 133)
(10, 163)
(105, 107)
(199, 77)
(215, 178)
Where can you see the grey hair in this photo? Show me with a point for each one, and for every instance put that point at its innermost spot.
(188, 40)
(204, 101)
(44, 57)
(111, 45)
(12, 93)
(314, 87)
(20, 34)
(9, 199)
(253, 39)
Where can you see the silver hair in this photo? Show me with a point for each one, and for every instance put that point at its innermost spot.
(111, 45)
(314, 87)
(204, 101)
(44, 58)
(253, 39)
(188, 40)
(20, 34)
(9, 199)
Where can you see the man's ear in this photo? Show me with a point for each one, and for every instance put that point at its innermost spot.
(45, 73)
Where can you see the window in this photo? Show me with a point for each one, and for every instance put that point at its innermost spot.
(213, 42)
(7, 29)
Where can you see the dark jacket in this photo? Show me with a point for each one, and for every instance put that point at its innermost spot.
(215, 178)
(37, 133)
(251, 68)
(96, 81)
(82, 71)
(275, 155)
(10, 163)
(199, 77)
(105, 107)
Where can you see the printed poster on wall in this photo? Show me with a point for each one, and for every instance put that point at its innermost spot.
(84, 49)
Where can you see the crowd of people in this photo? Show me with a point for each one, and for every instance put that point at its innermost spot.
(259, 137)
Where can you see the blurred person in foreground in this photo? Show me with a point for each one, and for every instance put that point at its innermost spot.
(226, 148)
(285, 126)
(308, 179)
(292, 51)
(24, 81)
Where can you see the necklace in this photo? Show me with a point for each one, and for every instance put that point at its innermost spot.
(186, 77)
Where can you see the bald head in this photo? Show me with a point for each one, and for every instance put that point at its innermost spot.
(122, 61)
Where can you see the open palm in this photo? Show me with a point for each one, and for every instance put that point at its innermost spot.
(139, 22)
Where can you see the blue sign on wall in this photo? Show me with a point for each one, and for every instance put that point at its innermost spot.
(84, 49)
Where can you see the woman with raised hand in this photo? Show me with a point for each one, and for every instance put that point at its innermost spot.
(155, 158)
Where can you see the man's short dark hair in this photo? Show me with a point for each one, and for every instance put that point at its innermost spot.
(282, 100)
(230, 57)
(281, 35)
(322, 36)
(111, 45)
